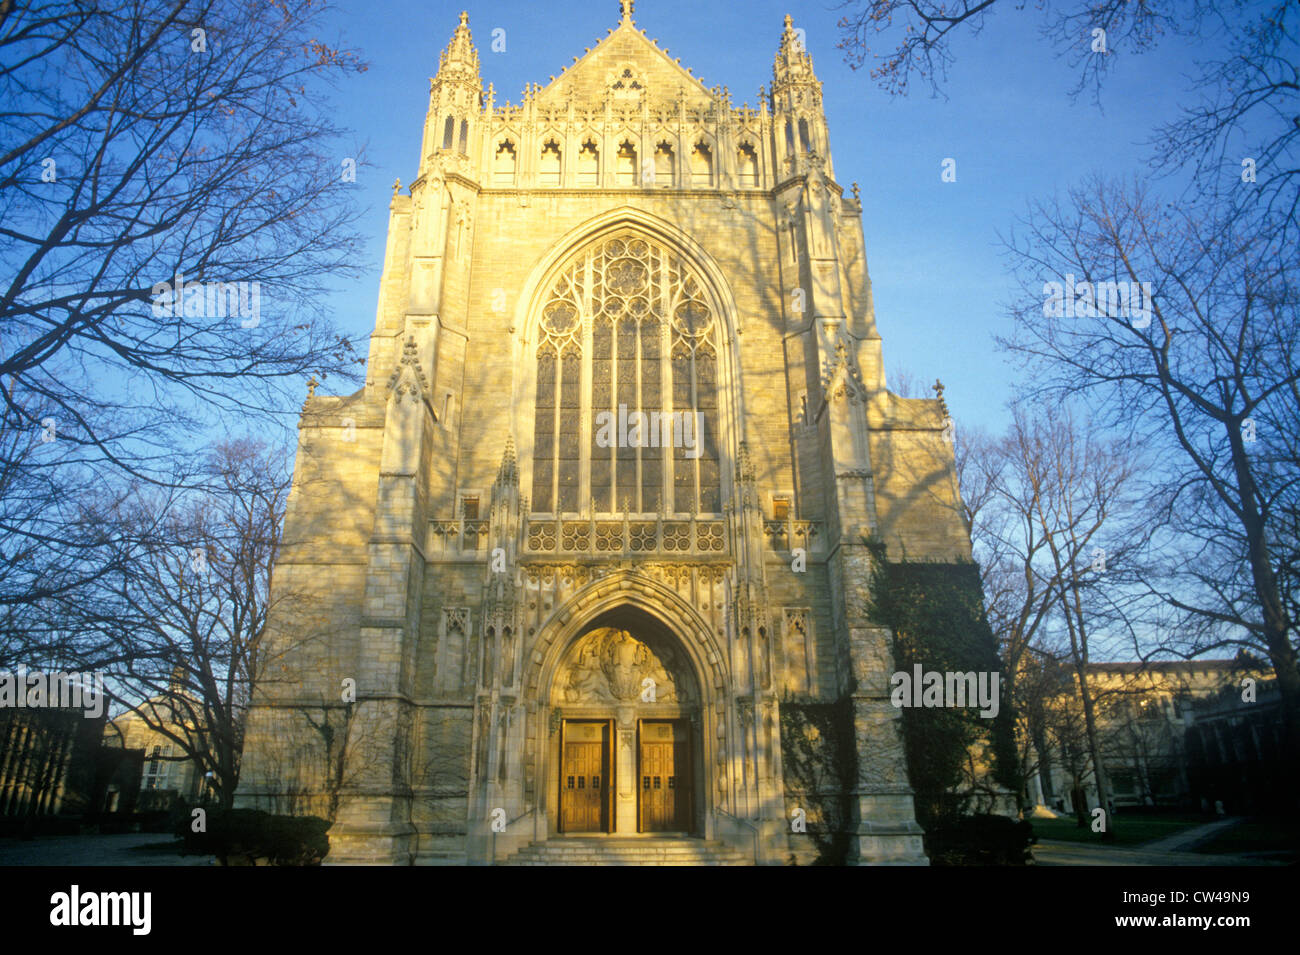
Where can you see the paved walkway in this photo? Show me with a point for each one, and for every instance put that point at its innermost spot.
(1177, 849)
(1185, 839)
(1080, 853)
(116, 850)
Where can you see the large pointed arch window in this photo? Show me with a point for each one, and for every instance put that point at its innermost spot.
(627, 386)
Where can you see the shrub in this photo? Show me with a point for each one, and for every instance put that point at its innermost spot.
(254, 837)
(981, 840)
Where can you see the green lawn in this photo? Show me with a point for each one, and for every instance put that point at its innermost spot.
(1257, 834)
(1128, 830)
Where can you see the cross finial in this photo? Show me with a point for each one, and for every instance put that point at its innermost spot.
(311, 386)
(625, 8)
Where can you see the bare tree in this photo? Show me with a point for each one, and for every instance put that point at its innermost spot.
(1202, 369)
(1048, 505)
(1239, 131)
(172, 201)
(1006, 546)
(922, 32)
(179, 629)
(1040, 503)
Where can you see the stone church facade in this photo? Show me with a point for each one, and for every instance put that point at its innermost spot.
(596, 524)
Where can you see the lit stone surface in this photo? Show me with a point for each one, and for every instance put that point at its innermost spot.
(623, 236)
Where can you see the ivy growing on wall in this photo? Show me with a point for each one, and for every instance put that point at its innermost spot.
(936, 613)
(820, 763)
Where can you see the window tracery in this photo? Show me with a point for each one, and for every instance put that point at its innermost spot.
(632, 320)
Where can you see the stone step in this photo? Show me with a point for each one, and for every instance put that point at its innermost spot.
(628, 852)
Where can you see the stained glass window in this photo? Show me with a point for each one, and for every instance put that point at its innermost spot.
(630, 319)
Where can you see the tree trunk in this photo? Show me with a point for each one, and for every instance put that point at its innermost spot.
(1094, 750)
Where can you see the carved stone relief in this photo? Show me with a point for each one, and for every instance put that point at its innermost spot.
(612, 666)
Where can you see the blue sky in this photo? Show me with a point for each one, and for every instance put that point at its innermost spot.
(939, 277)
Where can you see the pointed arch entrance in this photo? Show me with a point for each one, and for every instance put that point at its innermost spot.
(626, 756)
(628, 684)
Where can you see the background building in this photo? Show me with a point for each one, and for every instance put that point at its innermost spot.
(48, 760)
(1153, 751)
(166, 774)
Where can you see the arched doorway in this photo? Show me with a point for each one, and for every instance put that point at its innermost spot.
(626, 755)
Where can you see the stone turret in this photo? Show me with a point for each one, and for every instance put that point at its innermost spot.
(800, 123)
(455, 98)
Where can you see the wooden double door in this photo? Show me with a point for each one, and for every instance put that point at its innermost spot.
(585, 790)
(662, 776)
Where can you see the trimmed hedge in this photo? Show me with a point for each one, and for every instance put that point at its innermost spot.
(981, 840)
(254, 837)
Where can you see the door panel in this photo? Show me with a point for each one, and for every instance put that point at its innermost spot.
(664, 780)
(584, 778)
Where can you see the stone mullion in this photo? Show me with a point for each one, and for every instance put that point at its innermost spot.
(695, 404)
(555, 437)
(585, 417)
(666, 378)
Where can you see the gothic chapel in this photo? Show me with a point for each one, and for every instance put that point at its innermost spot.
(562, 581)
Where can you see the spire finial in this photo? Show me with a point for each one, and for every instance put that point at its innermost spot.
(625, 9)
(938, 394)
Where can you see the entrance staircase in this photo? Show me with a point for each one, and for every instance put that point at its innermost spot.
(681, 850)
